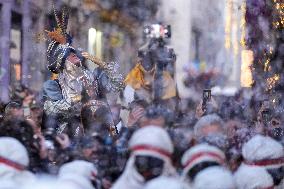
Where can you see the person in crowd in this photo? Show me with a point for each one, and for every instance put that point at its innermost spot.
(14, 162)
(211, 107)
(182, 139)
(147, 81)
(80, 173)
(23, 131)
(214, 178)
(253, 177)
(151, 149)
(13, 110)
(137, 111)
(275, 127)
(210, 129)
(238, 133)
(200, 157)
(166, 182)
(156, 115)
(103, 155)
(36, 113)
(47, 182)
(140, 116)
(263, 164)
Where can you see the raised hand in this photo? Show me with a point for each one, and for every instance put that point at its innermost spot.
(94, 59)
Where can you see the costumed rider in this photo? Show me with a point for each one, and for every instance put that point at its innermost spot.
(76, 88)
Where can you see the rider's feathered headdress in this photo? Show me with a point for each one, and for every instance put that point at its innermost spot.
(59, 47)
(60, 33)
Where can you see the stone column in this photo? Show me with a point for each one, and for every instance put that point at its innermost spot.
(5, 48)
(26, 29)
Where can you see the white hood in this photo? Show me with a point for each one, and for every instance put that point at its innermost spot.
(79, 173)
(251, 177)
(215, 177)
(13, 162)
(151, 141)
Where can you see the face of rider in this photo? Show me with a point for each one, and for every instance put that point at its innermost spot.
(74, 59)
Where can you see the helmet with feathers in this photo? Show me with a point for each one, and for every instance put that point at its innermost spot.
(60, 46)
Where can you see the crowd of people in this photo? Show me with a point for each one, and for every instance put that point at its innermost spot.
(236, 143)
(78, 135)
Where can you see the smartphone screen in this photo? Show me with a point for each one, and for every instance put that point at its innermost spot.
(206, 98)
(206, 94)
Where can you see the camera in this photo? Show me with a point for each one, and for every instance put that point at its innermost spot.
(157, 31)
(156, 52)
(50, 134)
(156, 55)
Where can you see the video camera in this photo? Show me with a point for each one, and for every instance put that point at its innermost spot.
(157, 31)
(157, 55)
(156, 52)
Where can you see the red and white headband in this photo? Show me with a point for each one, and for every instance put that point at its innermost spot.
(265, 162)
(152, 149)
(12, 164)
(217, 157)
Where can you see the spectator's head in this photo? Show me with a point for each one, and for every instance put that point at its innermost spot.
(201, 157)
(165, 182)
(97, 118)
(49, 182)
(210, 129)
(251, 177)
(275, 127)
(14, 162)
(214, 178)
(18, 129)
(208, 124)
(22, 131)
(265, 152)
(151, 149)
(13, 110)
(36, 113)
(91, 147)
(80, 172)
(156, 115)
(13, 155)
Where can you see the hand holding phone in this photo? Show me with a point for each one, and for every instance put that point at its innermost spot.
(206, 97)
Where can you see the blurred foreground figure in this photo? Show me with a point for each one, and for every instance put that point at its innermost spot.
(210, 129)
(76, 88)
(166, 182)
(263, 165)
(14, 161)
(46, 182)
(151, 150)
(200, 158)
(80, 173)
(214, 178)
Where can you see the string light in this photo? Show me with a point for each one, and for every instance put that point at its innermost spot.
(279, 7)
(272, 81)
